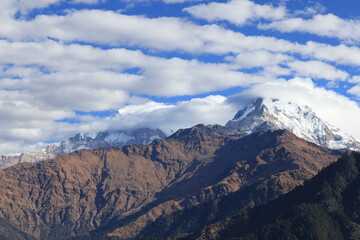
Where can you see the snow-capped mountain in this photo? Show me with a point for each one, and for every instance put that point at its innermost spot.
(107, 139)
(87, 141)
(273, 114)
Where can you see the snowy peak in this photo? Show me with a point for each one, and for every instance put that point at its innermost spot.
(107, 139)
(274, 114)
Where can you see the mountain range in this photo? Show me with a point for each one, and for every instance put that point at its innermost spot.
(86, 141)
(195, 184)
(119, 190)
(259, 116)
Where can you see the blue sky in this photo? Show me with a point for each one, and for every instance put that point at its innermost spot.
(93, 65)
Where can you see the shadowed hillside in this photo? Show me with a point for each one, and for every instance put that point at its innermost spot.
(326, 207)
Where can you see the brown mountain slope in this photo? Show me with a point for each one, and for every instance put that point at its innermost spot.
(120, 189)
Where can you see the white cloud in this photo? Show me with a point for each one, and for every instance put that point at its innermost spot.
(83, 98)
(208, 110)
(165, 34)
(107, 27)
(274, 64)
(239, 12)
(274, 72)
(179, 77)
(258, 58)
(131, 3)
(8, 8)
(87, 1)
(340, 54)
(316, 8)
(16, 107)
(17, 147)
(355, 90)
(142, 108)
(355, 79)
(328, 25)
(25, 6)
(317, 70)
(179, 1)
(328, 105)
(51, 66)
(23, 125)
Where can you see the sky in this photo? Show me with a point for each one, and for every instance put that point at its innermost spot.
(69, 66)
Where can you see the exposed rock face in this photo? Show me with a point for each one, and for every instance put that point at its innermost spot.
(86, 141)
(273, 114)
(121, 189)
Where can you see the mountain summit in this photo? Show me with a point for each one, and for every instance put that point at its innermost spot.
(273, 114)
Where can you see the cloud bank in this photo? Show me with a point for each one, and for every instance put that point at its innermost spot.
(65, 65)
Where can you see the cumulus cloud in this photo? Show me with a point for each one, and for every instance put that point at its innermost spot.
(279, 64)
(355, 79)
(9, 8)
(179, 77)
(87, 1)
(23, 125)
(340, 54)
(355, 90)
(179, 1)
(258, 58)
(317, 70)
(165, 1)
(213, 109)
(328, 25)
(25, 6)
(238, 12)
(163, 33)
(49, 68)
